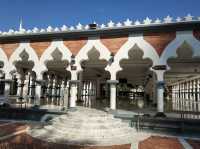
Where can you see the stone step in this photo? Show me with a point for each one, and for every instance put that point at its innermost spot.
(86, 125)
(108, 124)
(78, 132)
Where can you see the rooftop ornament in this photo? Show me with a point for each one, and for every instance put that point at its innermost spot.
(128, 22)
(49, 29)
(102, 26)
(111, 24)
(157, 21)
(87, 27)
(71, 28)
(189, 17)
(147, 21)
(79, 26)
(42, 30)
(29, 31)
(178, 19)
(119, 24)
(35, 30)
(168, 19)
(56, 29)
(64, 28)
(137, 22)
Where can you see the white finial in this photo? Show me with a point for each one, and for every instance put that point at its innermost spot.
(79, 26)
(178, 19)
(56, 29)
(111, 24)
(71, 28)
(4, 33)
(42, 30)
(35, 30)
(49, 29)
(16, 32)
(103, 26)
(29, 31)
(147, 21)
(128, 22)
(137, 22)
(157, 21)
(119, 24)
(20, 25)
(64, 28)
(189, 17)
(168, 19)
(11, 31)
(86, 27)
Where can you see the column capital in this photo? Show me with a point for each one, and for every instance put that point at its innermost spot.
(74, 81)
(112, 81)
(159, 67)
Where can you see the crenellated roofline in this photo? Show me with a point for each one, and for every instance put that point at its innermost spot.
(111, 29)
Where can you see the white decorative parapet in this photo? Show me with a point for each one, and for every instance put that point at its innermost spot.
(127, 23)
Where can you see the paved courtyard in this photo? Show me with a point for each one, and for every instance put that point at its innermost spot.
(87, 129)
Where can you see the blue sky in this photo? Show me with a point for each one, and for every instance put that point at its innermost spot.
(42, 13)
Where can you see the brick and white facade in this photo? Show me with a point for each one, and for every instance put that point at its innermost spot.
(158, 43)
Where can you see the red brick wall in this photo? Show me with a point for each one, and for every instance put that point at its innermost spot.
(74, 45)
(9, 48)
(159, 40)
(40, 46)
(114, 43)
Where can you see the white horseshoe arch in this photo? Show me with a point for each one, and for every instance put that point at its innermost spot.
(92, 43)
(24, 46)
(148, 50)
(181, 37)
(46, 56)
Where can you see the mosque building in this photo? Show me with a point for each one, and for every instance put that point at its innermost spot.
(150, 64)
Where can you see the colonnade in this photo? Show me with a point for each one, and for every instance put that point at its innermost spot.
(31, 91)
(51, 89)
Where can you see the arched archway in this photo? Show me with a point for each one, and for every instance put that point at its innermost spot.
(55, 83)
(21, 74)
(93, 89)
(182, 81)
(136, 81)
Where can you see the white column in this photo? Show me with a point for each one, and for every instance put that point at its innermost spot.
(160, 96)
(98, 87)
(73, 89)
(53, 91)
(25, 90)
(113, 92)
(8, 79)
(38, 90)
(49, 88)
(160, 92)
(66, 95)
(80, 85)
(73, 93)
(19, 85)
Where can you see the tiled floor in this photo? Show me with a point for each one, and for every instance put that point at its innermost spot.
(23, 140)
(156, 142)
